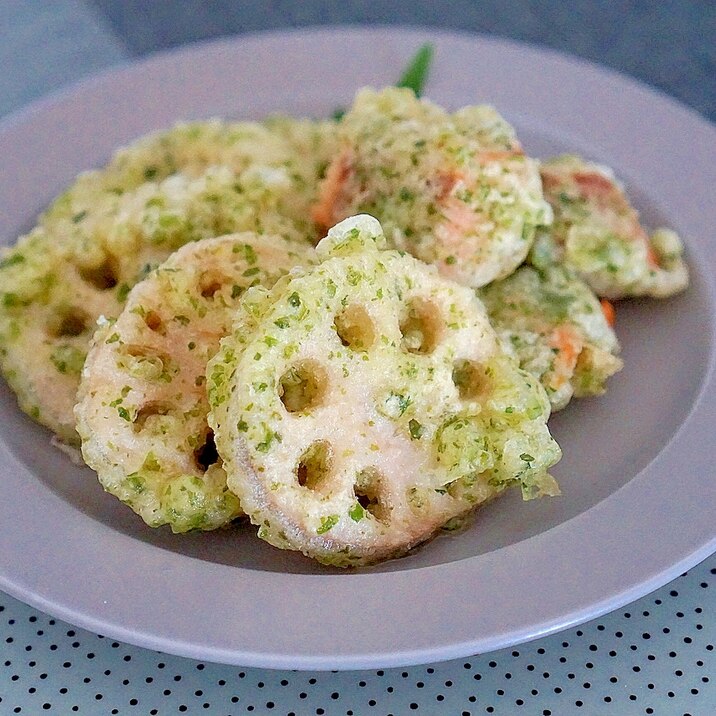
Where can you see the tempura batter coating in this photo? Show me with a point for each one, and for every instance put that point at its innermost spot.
(365, 402)
(597, 233)
(557, 329)
(142, 406)
(301, 148)
(454, 190)
(114, 225)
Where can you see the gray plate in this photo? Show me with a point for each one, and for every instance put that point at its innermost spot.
(637, 475)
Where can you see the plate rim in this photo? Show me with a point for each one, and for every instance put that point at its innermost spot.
(104, 621)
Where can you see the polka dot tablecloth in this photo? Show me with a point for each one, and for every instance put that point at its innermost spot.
(655, 656)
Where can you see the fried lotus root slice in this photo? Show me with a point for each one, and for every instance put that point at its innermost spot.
(598, 234)
(58, 280)
(301, 148)
(363, 403)
(454, 190)
(557, 329)
(47, 316)
(142, 406)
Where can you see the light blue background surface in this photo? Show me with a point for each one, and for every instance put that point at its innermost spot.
(670, 44)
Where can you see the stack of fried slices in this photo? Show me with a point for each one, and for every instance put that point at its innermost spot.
(178, 316)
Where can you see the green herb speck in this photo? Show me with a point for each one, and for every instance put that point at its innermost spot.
(122, 292)
(327, 523)
(249, 254)
(12, 260)
(416, 429)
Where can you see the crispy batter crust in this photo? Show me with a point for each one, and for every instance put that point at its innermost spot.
(114, 225)
(556, 327)
(142, 406)
(455, 190)
(365, 402)
(597, 233)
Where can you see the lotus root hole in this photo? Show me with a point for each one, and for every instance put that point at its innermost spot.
(355, 328)
(369, 494)
(102, 277)
(148, 411)
(209, 285)
(470, 380)
(303, 387)
(314, 467)
(421, 326)
(69, 322)
(206, 454)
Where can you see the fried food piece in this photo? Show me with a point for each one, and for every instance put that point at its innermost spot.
(363, 403)
(597, 233)
(299, 148)
(57, 281)
(142, 406)
(454, 190)
(557, 329)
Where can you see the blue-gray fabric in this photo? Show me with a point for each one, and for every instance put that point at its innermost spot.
(45, 44)
(48, 44)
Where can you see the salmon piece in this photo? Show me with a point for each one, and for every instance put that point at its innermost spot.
(568, 344)
(608, 311)
(326, 209)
